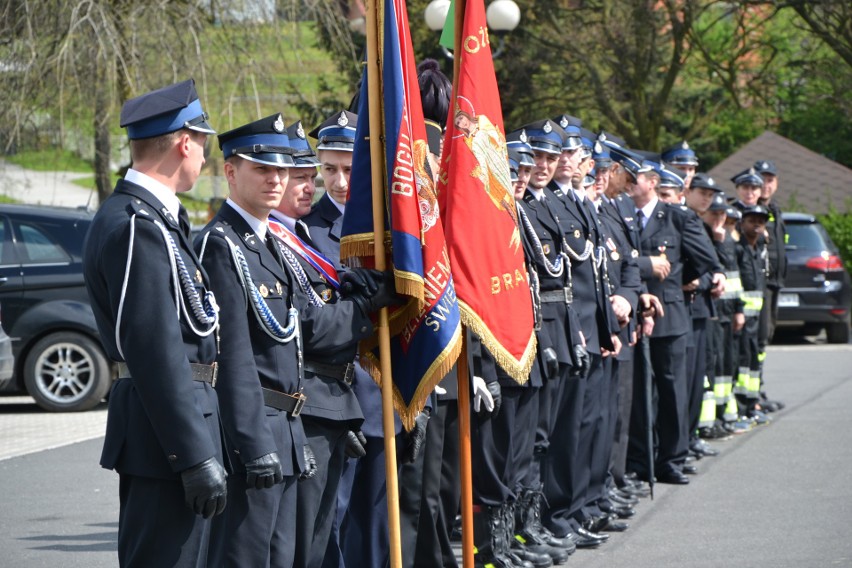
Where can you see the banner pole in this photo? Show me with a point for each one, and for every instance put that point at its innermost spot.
(377, 157)
(465, 468)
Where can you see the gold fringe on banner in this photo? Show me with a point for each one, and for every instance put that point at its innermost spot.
(518, 370)
(434, 375)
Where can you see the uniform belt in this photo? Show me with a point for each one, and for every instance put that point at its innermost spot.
(344, 373)
(563, 296)
(200, 372)
(291, 403)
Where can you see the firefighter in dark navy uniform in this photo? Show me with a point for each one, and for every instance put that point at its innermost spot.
(260, 371)
(672, 240)
(156, 317)
(332, 326)
(539, 212)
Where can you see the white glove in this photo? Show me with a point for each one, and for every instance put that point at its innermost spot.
(481, 394)
(439, 390)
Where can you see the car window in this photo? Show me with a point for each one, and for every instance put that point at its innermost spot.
(807, 236)
(39, 248)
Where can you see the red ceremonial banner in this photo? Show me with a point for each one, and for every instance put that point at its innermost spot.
(479, 212)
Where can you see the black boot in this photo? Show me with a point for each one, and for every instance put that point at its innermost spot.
(518, 552)
(530, 521)
(531, 540)
(491, 548)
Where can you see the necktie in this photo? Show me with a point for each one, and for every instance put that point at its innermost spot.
(273, 247)
(183, 221)
(640, 219)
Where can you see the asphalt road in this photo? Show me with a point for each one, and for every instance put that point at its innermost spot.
(776, 497)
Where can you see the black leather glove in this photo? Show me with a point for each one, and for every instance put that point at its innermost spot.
(356, 444)
(264, 472)
(582, 367)
(551, 363)
(496, 396)
(385, 295)
(417, 437)
(310, 464)
(204, 488)
(361, 280)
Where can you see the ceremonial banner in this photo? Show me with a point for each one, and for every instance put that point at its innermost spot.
(478, 209)
(426, 331)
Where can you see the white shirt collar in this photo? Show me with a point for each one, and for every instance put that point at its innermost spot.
(164, 194)
(258, 226)
(580, 194)
(648, 210)
(286, 220)
(537, 193)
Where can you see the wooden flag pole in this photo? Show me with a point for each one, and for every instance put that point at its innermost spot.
(465, 468)
(375, 13)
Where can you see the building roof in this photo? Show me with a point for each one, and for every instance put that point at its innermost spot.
(807, 181)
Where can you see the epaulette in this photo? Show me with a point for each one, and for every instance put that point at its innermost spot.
(139, 208)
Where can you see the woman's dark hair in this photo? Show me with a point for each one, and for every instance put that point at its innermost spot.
(435, 90)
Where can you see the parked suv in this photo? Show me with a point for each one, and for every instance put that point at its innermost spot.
(817, 290)
(59, 360)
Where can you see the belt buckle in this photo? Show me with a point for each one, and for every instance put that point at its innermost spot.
(569, 294)
(349, 373)
(300, 402)
(215, 373)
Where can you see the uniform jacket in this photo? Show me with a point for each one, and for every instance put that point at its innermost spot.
(324, 224)
(753, 263)
(559, 323)
(249, 358)
(680, 236)
(579, 224)
(726, 251)
(161, 421)
(331, 335)
(321, 227)
(776, 247)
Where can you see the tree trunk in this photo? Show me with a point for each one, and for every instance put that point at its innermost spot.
(103, 145)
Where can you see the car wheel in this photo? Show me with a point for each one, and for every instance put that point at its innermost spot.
(66, 372)
(837, 332)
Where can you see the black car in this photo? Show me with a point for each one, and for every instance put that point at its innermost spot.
(59, 360)
(817, 291)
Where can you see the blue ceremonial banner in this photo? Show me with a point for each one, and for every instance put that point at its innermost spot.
(426, 332)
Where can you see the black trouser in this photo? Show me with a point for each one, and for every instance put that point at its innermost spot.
(559, 464)
(316, 507)
(668, 362)
(696, 368)
(441, 490)
(502, 447)
(598, 408)
(258, 527)
(623, 370)
(156, 528)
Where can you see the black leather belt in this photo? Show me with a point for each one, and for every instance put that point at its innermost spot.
(291, 403)
(563, 296)
(200, 372)
(344, 373)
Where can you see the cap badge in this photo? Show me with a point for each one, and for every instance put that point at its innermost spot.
(602, 137)
(278, 125)
(300, 132)
(523, 137)
(710, 182)
(598, 148)
(547, 128)
(564, 122)
(685, 146)
(342, 120)
(765, 165)
(752, 172)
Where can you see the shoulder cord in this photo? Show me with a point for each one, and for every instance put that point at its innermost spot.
(124, 284)
(300, 274)
(205, 310)
(259, 306)
(535, 292)
(553, 269)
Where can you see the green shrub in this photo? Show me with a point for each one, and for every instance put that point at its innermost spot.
(839, 227)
